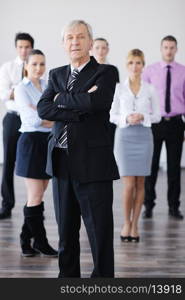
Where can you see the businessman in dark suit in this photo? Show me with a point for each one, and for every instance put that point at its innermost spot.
(80, 157)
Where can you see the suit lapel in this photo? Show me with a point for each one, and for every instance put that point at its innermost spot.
(64, 77)
(87, 72)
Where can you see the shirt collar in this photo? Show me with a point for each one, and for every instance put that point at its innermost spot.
(26, 81)
(127, 82)
(164, 64)
(19, 61)
(80, 67)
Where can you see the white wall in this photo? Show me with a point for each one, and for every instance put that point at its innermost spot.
(126, 24)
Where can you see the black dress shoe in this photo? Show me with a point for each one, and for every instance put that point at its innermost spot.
(125, 239)
(176, 214)
(45, 249)
(5, 214)
(147, 214)
(134, 239)
(29, 252)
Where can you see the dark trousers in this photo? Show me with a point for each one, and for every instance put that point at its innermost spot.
(11, 125)
(92, 201)
(172, 133)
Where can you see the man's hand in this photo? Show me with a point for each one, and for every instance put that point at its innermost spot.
(47, 124)
(93, 89)
(32, 106)
(135, 118)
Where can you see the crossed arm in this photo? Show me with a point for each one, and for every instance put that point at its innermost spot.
(68, 106)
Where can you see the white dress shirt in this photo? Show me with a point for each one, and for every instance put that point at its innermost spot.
(146, 102)
(10, 76)
(80, 67)
(26, 99)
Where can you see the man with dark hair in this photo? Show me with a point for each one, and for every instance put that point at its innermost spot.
(168, 77)
(22, 36)
(169, 38)
(11, 73)
(80, 156)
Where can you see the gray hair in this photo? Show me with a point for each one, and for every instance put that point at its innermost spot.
(77, 22)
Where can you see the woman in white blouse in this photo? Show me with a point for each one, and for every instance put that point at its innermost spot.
(32, 155)
(135, 107)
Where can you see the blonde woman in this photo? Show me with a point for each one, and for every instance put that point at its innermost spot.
(135, 107)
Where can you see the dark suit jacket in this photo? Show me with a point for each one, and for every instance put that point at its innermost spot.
(87, 116)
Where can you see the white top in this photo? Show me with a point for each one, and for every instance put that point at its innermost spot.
(10, 76)
(26, 99)
(80, 67)
(146, 102)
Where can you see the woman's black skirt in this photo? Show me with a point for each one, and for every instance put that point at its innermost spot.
(32, 155)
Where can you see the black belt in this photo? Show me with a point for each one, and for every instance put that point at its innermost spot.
(13, 112)
(178, 117)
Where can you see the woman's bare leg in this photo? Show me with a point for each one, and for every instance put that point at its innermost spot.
(128, 193)
(137, 205)
(35, 190)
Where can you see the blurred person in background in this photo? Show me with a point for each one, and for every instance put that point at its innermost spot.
(11, 73)
(135, 107)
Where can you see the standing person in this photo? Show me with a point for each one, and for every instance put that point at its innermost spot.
(11, 73)
(168, 77)
(80, 159)
(135, 107)
(100, 51)
(32, 155)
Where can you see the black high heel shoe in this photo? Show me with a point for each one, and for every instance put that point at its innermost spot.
(135, 239)
(125, 239)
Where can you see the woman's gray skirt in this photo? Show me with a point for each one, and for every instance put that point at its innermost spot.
(133, 149)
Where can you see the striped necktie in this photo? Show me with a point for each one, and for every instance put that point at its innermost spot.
(72, 79)
(62, 142)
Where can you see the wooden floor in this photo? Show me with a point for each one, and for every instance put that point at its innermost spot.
(161, 252)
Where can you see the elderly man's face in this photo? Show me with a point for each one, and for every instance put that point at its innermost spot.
(77, 43)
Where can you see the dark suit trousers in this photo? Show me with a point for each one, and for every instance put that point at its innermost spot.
(172, 133)
(92, 201)
(11, 125)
